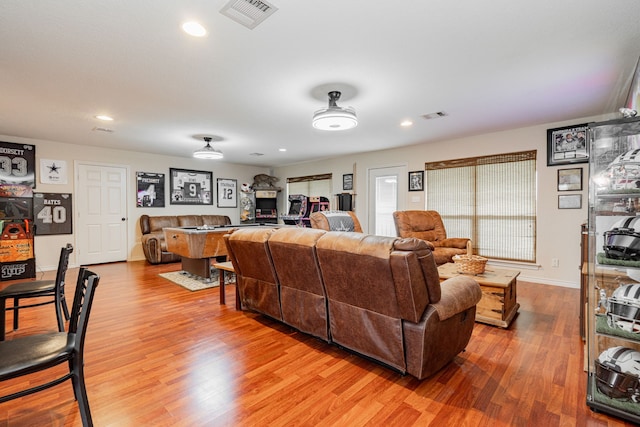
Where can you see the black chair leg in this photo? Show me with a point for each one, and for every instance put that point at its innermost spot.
(16, 304)
(2, 317)
(80, 392)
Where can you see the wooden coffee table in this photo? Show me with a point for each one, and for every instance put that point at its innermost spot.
(498, 305)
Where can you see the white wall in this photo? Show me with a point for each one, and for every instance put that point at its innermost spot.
(558, 231)
(47, 248)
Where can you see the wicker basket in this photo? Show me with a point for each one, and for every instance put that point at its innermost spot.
(469, 263)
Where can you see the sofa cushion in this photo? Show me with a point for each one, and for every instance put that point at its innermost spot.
(257, 282)
(157, 223)
(215, 220)
(302, 294)
(190, 220)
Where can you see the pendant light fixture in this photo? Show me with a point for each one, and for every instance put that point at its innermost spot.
(208, 152)
(333, 117)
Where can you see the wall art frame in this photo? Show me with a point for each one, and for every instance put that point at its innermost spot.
(416, 181)
(567, 145)
(150, 190)
(227, 192)
(53, 213)
(570, 179)
(570, 201)
(347, 181)
(190, 187)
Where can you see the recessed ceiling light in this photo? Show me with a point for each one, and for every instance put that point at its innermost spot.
(282, 149)
(104, 118)
(406, 123)
(194, 29)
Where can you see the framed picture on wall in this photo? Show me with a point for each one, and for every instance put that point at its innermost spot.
(416, 181)
(347, 181)
(52, 213)
(227, 193)
(567, 145)
(18, 171)
(150, 190)
(190, 187)
(570, 179)
(570, 201)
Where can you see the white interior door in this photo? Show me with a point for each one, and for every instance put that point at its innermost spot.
(384, 198)
(101, 213)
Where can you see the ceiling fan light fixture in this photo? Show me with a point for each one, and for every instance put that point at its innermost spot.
(333, 117)
(208, 152)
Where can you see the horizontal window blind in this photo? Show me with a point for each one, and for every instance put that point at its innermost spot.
(490, 199)
(312, 185)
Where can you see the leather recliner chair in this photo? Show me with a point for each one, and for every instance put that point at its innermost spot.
(428, 225)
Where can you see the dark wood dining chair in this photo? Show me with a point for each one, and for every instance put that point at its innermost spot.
(34, 353)
(28, 289)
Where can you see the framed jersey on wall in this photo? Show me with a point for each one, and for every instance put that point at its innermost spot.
(190, 187)
(52, 213)
(17, 169)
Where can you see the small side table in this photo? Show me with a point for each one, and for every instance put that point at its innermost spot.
(498, 305)
(222, 267)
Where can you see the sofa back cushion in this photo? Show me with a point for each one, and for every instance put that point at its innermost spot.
(215, 220)
(363, 307)
(426, 225)
(356, 270)
(302, 293)
(190, 220)
(150, 224)
(415, 276)
(256, 278)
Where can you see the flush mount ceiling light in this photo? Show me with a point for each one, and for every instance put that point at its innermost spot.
(208, 152)
(194, 29)
(334, 117)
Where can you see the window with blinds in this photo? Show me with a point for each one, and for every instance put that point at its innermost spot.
(490, 199)
(312, 185)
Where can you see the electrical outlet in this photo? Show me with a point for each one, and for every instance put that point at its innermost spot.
(555, 262)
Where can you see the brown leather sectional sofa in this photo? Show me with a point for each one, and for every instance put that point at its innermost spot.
(153, 243)
(378, 296)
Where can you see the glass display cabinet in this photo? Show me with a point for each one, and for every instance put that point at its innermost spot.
(613, 292)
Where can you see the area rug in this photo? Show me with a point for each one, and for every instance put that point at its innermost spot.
(191, 282)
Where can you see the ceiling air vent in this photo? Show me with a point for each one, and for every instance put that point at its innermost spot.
(99, 129)
(248, 12)
(435, 115)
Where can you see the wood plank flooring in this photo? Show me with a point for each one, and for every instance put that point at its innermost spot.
(159, 355)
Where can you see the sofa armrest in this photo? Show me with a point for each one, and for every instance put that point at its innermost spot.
(453, 242)
(152, 247)
(458, 294)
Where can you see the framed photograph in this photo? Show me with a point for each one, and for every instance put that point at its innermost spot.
(227, 193)
(150, 190)
(347, 181)
(416, 181)
(570, 201)
(567, 145)
(570, 179)
(190, 187)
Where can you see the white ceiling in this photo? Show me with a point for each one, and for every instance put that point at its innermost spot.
(491, 65)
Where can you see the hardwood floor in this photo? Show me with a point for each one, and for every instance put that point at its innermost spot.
(159, 355)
